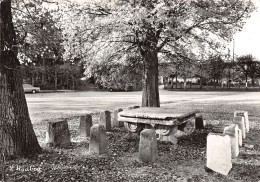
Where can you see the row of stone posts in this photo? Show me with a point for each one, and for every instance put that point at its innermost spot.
(58, 134)
(221, 148)
(105, 120)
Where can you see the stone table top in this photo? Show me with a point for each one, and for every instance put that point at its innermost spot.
(157, 113)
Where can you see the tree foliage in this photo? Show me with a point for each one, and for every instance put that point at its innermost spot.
(180, 29)
(248, 66)
(216, 69)
(177, 25)
(104, 34)
(39, 33)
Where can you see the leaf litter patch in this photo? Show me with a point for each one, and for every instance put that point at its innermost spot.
(184, 162)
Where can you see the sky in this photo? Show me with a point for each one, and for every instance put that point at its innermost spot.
(248, 40)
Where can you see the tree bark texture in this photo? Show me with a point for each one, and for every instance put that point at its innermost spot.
(150, 97)
(16, 131)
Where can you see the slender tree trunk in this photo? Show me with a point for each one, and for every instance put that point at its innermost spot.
(171, 82)
(33, 78)
(36, 77)
(227, 83)
(43, 73)
(165, 83)
(176, 80)
(185, 83)
(72, 83)
(246, 82)
(150, 97)
(55, 79)
(16, 130)
(200, 82)
(67, 81)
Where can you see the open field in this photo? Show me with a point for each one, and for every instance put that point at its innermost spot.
(45, 106)
(185, 162)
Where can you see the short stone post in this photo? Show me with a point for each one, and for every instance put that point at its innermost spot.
(245, 115)
(58, 134)
(98, 140)
(239, 120)
(232, 131)
(121, 123)
(199, 121)
(105, 120)
(133, 107)
(240, 138)
(85, 125)
(219, 153)
(115, 122)
(148, 151)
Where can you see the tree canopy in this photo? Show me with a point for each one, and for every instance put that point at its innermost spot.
(110, 37)
(181, 28)
(157, 31)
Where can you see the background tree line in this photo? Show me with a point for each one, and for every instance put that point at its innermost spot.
(39, 37)
(60, 42)
(218, 71)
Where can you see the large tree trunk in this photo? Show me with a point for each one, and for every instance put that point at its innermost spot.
(150, 96)
(150, 87)
(16, 130)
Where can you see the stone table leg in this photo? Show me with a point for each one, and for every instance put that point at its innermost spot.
(167, 135)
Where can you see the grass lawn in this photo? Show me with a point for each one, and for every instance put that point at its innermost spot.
(184, 162)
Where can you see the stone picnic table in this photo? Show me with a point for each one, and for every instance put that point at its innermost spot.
(165, 121)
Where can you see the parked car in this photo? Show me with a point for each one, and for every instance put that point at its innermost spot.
(120, 87)
(30, 89)
(129, 87)
(114, 87)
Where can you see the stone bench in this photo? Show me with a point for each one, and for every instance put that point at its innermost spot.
(165, 121)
